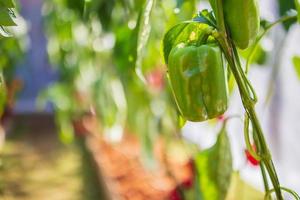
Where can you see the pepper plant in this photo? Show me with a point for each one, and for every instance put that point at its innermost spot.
(148, 104)
(197, 52)
(113, 87)
(6, 16)
(192, 51)
(12, 48)
(6, 19)
(77, 52)
(142, 71)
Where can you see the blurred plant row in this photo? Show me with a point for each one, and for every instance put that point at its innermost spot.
(12, 50)
(97, 47)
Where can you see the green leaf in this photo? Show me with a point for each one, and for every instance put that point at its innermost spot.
(6, 17)
(214, 167)
(3, 32)
(186, 32)
(259, 56)
(296, 62)
(179, 3)
(3, 93)
(170, 37)
(284, 6)
(239, 190)
(143, 35)
(206, 17)
(66, 131)
(76, 5)
(213, 4)
(181, 121)
(297, 3)
(104, 11)
(7, 3)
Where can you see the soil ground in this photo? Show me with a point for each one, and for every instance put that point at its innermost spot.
(35, 165)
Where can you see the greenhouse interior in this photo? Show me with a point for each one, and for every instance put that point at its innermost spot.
(149, 99)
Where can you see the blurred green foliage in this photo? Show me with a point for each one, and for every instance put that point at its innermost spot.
(283, 7)
(296, 62)
(6, 16)
(110, 63)
(214, 168)
(12, 49)
(11, 52)
(93, 44)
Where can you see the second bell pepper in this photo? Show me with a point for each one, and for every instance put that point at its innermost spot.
(198, 81)
(242, 18)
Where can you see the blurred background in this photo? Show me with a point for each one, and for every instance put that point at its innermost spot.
(87, 112)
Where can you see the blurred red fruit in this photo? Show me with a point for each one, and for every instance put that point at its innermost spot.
(191, 166)
(188, 184)
(221, 118)
(175, 195)
(155, 79)
(250, 158)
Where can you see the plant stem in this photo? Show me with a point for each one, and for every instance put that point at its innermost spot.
(248, 102)
(261, 164)
(249, 106)
(264, 175)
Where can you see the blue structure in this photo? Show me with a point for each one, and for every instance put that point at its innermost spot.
(35, 71)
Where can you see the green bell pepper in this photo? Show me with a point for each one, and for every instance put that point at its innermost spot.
(242, 19)
(198, 81)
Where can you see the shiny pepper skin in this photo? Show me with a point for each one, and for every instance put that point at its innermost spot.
(242, 19)
(198, 81)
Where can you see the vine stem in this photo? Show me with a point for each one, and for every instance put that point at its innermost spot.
(264, 175)
(232, 57)
(249, 107)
